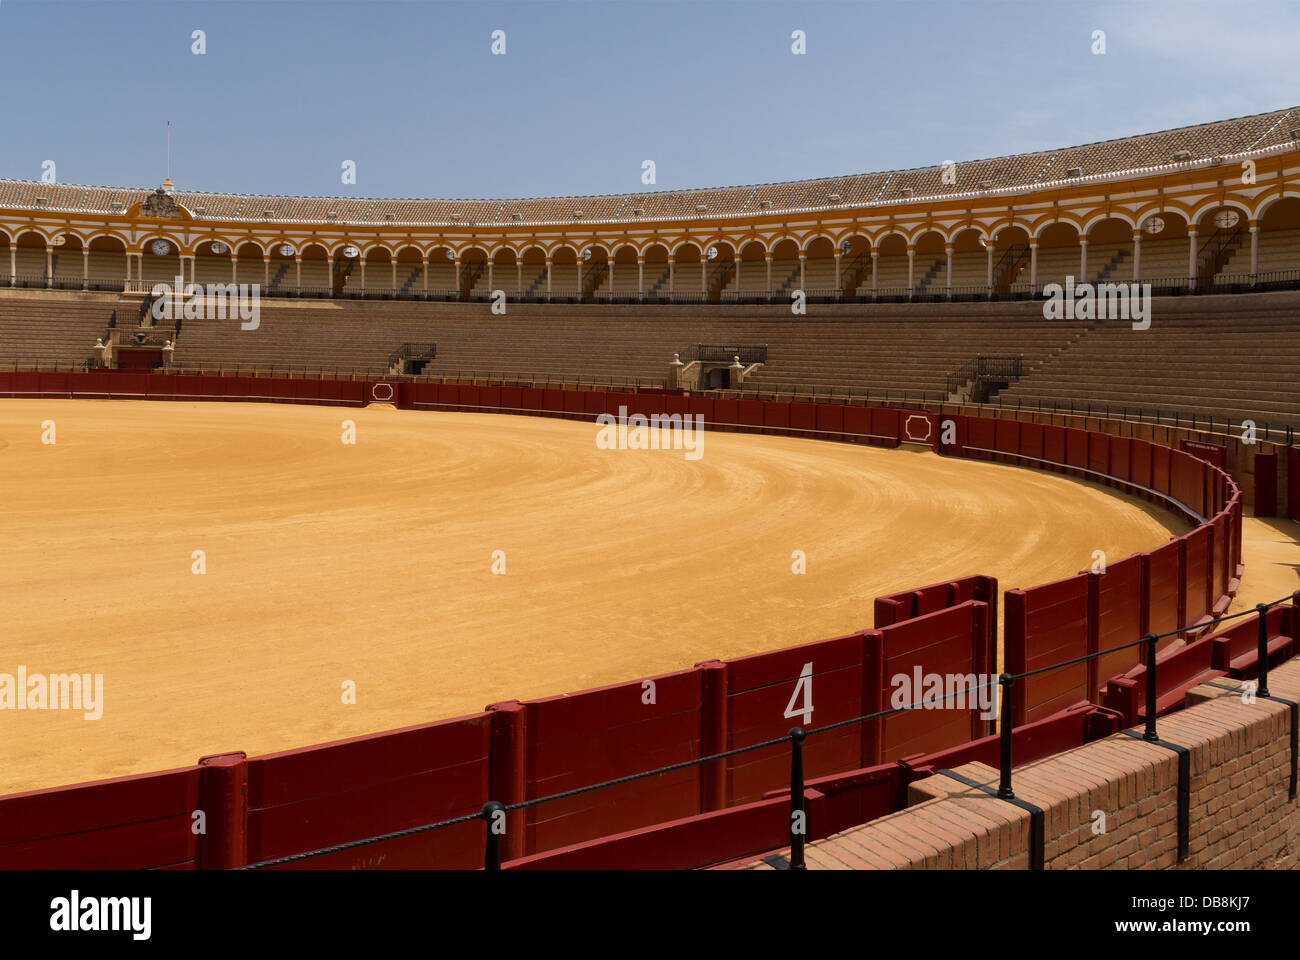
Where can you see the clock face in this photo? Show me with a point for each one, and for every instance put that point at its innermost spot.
(586, 254)
(59, 241)
(286, 250)
(218, 247)
(713, 253)
(160, 248)
(1226, 219)
(1153, 225)
(351, 252)
(845, 247)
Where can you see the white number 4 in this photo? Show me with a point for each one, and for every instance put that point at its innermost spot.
(804, 685)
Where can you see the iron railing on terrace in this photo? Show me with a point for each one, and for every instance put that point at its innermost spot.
(980, 368)
(714, 353)
(1260, 282)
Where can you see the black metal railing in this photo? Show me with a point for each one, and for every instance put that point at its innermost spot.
(493, 813)
(998, 369)
(715, 353)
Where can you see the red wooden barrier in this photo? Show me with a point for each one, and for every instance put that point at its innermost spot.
(1045, 625)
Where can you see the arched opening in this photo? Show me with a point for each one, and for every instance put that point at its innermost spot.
(855, 266)
(1276, 258)
(1221, 234)
(685, 274)
(67, 261)
(473, 281)
(504, 273)
(819, 268)
(29, 260)
(890, 276)
(1162, 252)
(623, 273)
(212, 262)
(532, 270)
(160, 261)
(379, 274)
(107, 269)
(564, 274)
(970, 264)
(249, 264)
(785, 267)
(281, 269)
(1110, 252)
(656, 272)
(930, 271)
(442, 273)
(1010, 259)
(410, 273)
(315, 280)
(1058, 254)
(593, 266)
(751, 272)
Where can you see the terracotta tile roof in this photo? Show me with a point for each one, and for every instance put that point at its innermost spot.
(1203, 141)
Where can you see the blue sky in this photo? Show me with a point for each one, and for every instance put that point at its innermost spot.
(410, 91)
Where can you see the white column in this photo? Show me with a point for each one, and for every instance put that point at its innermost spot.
(1083, 261)
(13, 265)
(1254, 252)
(704, 275)
(738, 262)
(611, 279)
(911, 270)
(363, 276)
(672, 278)
(266, 272)
(457, 263)
(85, 268)
(329, 266)
(1191, 258)
(989, 281)
(548, 278)
(234, 267)
(491, 282)
(424, 262)
(875, 255)
(838, 291)
(1033, 263)
(579, 276)
(640, 278)
(49, 266)
(1137, 255)
(948, 250)
(768, 258)
(803, 259)
(394, 263)
(297, 269)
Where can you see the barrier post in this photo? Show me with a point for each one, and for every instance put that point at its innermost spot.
(1261, 610)
(798, 815)
(1006, 717)
(492, 849)
(1150, 733)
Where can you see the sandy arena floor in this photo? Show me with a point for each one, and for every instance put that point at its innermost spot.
(372, 563)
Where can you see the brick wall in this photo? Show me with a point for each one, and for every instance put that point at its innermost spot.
(1240, 814)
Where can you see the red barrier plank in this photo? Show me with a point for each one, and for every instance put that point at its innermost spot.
(1121, 449)
(1160, 468)
(1076, 447)
(751, 412)
(938, 646)
(830, 420)
(981, 432)
(1007, 436)
(1045, 625)
(1121, 617)
(886, 422)
(703, 406)
(580, 739)
(857, 423)
(1099, 452)
(776, 414)
(1031, 440)
(1187, 480)
(803, 415)
(1053, 443)
(769, 693)
(1197, 576)
(726, 411)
